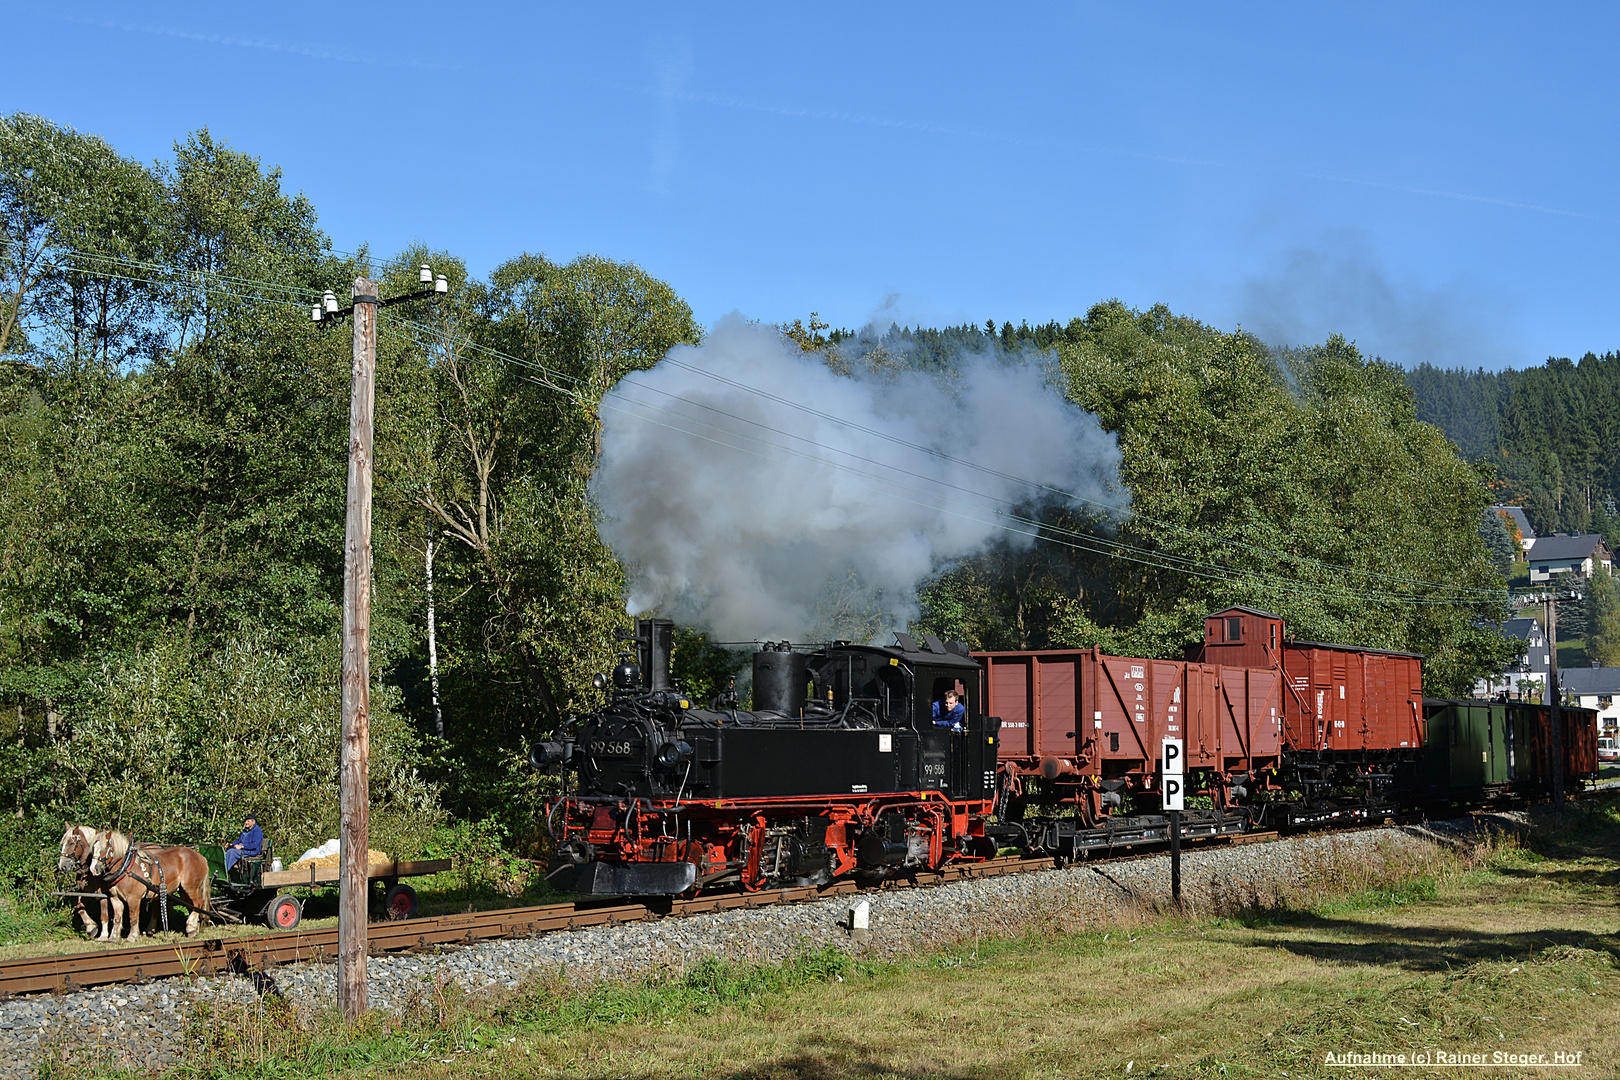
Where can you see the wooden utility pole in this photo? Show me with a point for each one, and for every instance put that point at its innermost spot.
(354, 767)
(1555, 696)
(354, 807)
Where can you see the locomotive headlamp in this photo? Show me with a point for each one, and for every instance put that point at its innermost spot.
(600, 680)
(672, 754)
(548, 755)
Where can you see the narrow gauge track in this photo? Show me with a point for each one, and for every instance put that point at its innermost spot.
(260, 952)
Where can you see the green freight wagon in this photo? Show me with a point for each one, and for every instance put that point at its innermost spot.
(1468, 752)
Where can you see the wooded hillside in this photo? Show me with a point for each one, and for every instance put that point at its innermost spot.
(1550, 435)
(172, 462)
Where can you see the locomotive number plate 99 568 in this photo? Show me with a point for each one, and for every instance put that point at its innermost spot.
(610, 748)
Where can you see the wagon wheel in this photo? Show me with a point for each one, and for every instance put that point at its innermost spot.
(399, 902)
(284, 913)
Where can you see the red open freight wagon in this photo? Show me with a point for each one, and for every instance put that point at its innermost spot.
(1083, 729)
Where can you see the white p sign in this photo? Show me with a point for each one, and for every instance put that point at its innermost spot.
(1172, 776)
(1174, 759)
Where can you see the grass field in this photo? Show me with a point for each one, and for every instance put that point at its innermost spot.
(1509, 948)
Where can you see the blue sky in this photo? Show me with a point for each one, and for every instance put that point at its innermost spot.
(1433, 181)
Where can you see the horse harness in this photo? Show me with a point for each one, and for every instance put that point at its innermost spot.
(146, 862)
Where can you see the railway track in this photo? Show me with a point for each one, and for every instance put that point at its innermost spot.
(260, 952)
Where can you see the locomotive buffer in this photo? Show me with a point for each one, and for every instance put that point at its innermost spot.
(1173, 785)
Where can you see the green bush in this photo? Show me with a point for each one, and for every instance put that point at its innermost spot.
(30, 918)
(176, 745)
(482, 856)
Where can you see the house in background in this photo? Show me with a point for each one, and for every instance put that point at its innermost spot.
(1516, 521)
(1594, 688)
(1562, 554)
(1527, 676)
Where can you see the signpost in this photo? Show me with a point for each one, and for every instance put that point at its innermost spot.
(1172, 783)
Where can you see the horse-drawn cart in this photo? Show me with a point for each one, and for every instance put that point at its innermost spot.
(251, 890)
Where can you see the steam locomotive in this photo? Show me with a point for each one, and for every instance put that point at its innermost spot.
(840, 767)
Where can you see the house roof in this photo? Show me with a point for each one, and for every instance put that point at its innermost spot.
(1523, 629)
(1565, 548)
(1245, 610)
(1517, 514)
(1589, 680)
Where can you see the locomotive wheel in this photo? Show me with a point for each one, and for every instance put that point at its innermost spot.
(284, 913)
(400, 902)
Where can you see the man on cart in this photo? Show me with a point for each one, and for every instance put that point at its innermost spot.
(250, 845)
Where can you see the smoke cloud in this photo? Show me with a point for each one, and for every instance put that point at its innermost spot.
(1340, 287)
(756, 494)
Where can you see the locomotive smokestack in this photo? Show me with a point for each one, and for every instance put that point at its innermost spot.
(779, 679)
(655, 639)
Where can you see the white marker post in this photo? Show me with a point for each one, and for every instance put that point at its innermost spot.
(1172, 782)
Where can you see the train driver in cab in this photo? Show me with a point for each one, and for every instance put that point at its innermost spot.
(949, 713)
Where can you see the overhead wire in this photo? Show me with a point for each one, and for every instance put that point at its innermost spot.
(1460, 591)
(1087, 541)
(1007, 521)
(1070, 496)
(245, 288)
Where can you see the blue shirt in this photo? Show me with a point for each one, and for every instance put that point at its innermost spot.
(950, 718)
(252, 840)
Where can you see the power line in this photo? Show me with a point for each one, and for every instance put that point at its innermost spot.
(1070, 496)
(1019, 525)
(554, 380)
(1167, 560)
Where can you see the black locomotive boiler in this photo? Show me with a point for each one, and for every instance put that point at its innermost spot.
(839, 768)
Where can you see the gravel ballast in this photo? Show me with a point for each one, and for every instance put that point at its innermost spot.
(139, 1026)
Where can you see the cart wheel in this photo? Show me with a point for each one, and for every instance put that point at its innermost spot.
(285, 913)
(399, 902)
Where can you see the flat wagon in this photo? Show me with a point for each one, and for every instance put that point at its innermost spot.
(252, 890)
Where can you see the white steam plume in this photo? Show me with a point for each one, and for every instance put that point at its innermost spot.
(754, 493)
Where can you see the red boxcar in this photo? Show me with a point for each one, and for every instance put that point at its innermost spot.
(1580, 743)
(1532, 747)
(1338, 697)
(1080, 726)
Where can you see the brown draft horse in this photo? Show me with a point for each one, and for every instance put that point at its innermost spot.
(180, 871)
(75, 859)
(78, 842)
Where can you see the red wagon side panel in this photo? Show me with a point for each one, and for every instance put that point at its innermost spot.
(1009, 695)
(1204, 714)
(1345, 698)
(1037, 696)
(1068, 712)
(1580, 742)
(1251, 711)
(1057, 703)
